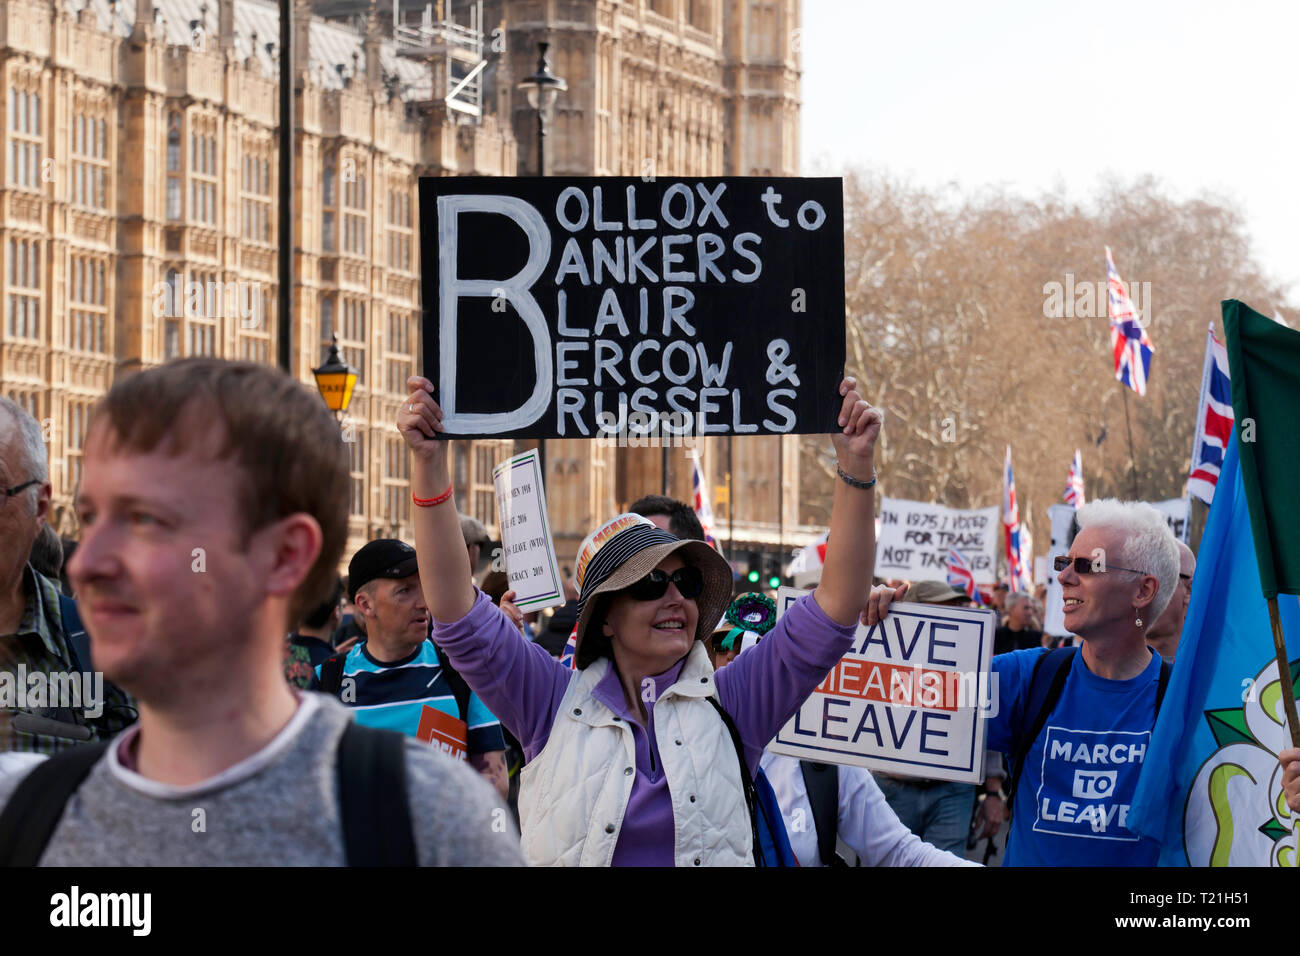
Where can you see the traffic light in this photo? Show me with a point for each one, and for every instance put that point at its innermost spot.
(755, 560)
(773, 572)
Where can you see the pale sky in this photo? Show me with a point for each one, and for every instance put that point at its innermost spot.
(1028, 94)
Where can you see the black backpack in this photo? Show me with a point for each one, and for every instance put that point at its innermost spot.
(1045, 686)
(371, 769)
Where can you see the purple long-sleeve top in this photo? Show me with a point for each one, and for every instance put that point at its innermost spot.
(761, 689)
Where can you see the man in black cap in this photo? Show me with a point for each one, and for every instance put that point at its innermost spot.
(397, 679)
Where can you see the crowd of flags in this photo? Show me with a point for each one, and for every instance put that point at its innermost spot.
(1132, 350)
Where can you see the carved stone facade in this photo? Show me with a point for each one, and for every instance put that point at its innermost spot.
(138, 210)
(139, 215)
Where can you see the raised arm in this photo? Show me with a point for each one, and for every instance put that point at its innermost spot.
(517, 680)
(444, 564)
(851, 547)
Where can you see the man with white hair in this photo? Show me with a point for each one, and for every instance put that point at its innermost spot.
(1076, 722)
(1165, 633)
(35, 620)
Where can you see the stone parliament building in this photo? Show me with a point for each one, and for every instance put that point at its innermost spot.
(138, 212)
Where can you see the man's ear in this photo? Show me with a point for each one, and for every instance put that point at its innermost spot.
(295, 542)
(362, 603)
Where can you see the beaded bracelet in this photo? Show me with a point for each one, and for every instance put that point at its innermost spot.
(432, 502)
(856, 482)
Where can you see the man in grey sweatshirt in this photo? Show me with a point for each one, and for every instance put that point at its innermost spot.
(214, 504)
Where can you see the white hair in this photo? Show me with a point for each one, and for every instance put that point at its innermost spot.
(31, 450)
(1148, 545)
(1015, 597)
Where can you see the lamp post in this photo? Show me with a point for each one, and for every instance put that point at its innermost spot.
(335, 379)
(543, 88)
(284, 345)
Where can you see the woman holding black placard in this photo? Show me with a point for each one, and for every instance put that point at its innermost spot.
(641, 756)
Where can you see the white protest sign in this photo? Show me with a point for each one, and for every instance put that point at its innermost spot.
(525, 533)
(911, 696)
(1060, 517)
(914, 537)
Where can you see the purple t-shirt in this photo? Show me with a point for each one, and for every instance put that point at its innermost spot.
(761, 689)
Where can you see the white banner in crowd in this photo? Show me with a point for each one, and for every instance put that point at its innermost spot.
(910, 697)
(1177, 512)
(1060, 517)
(525, 534)
(914, 537)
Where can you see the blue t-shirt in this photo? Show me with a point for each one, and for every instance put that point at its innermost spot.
(393, 696)
(1074, 794)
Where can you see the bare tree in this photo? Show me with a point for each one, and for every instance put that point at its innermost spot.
(952, 329)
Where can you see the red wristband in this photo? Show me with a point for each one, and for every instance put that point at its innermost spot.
(432, 502)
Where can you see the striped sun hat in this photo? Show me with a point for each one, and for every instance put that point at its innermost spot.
(628, 547)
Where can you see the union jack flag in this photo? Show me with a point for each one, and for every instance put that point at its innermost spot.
(702, 509)
(1213, 421)
(1019, 571)
(1128, 339)
(1074, 483)
(568, 655)
(961, 577)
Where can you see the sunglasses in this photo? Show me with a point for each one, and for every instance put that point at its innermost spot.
(688, 580)
(1086, 565)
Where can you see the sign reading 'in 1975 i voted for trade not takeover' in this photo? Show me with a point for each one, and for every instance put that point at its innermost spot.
(581, 308)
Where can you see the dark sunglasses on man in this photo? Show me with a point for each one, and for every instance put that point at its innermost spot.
(1087, 565)
(688, 580)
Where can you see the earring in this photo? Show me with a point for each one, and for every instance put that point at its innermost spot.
(1138, 621)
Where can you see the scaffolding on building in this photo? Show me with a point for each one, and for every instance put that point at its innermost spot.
(446, 36)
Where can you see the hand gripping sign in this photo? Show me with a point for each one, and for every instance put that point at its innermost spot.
(910, 697)
(572, 308)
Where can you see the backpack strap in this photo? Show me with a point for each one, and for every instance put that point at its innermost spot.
(372, 798)
(331, 674)
(1165, 670)
(75, 632)
(822, 781)
(1045, 686)
(37, 803)
(459, 688)
(747, 782)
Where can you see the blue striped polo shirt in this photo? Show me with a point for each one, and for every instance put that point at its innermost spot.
(392, 696)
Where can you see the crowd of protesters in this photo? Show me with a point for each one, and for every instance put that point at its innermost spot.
(257, 708)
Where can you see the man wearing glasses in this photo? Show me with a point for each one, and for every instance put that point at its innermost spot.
(1076, 722)
(35, 619)
(1168, 628)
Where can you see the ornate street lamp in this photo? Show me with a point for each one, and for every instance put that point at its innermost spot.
(336, 379)
(543, 88)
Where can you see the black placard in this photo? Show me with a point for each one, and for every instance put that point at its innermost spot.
(581, 307)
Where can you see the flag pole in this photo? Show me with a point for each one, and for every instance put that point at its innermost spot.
(1284, 671)
(1132, 458)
